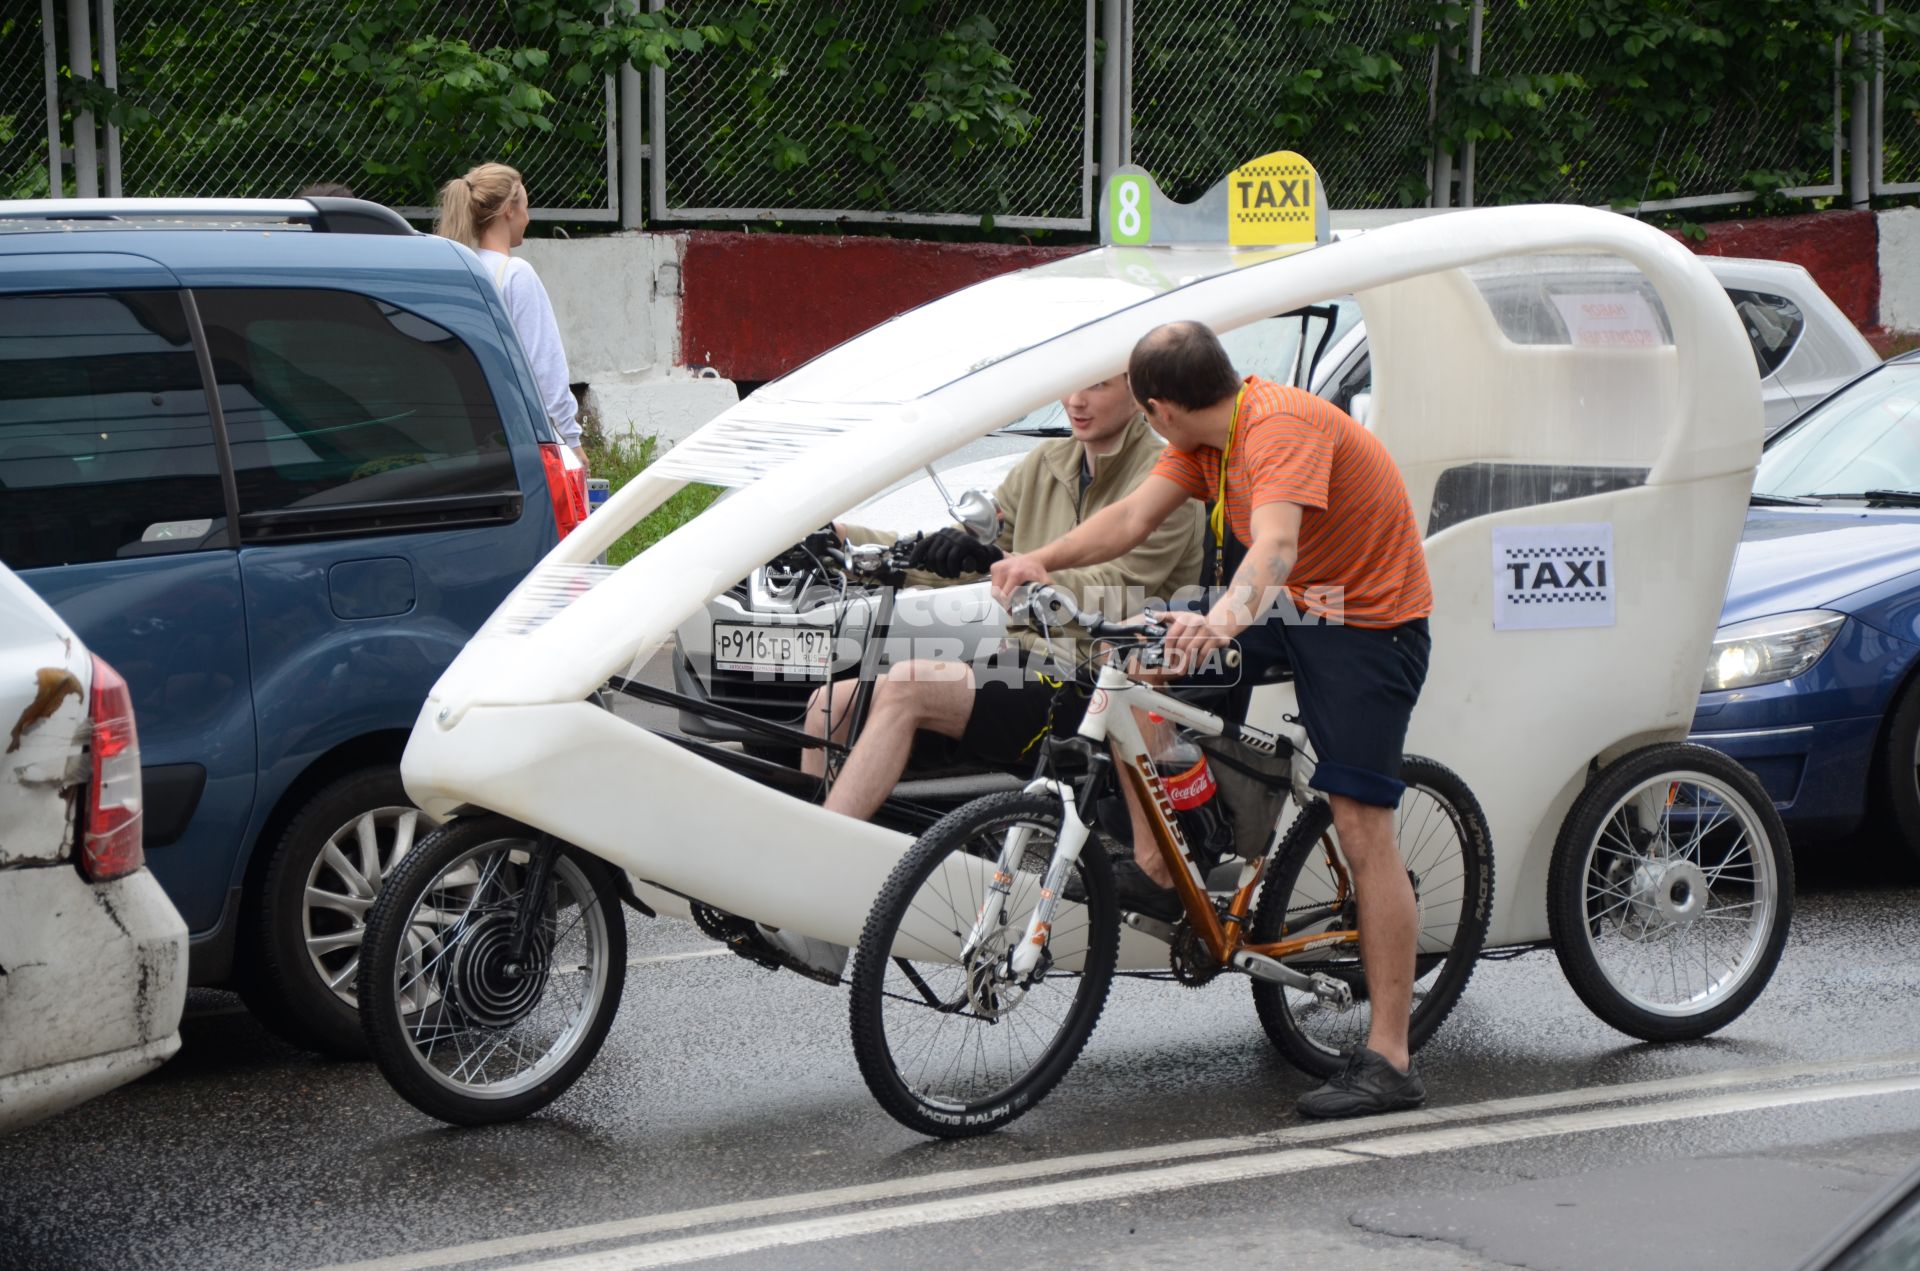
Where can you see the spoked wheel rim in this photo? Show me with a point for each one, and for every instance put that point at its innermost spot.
(1433, 846)
(1680, 893)
(960, 1035)
(342, 884)
(477, 1020)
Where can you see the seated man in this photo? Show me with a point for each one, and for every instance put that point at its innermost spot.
(1001, 718)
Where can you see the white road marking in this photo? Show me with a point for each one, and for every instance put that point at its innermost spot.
(1232, 1169)
(1000, 1175)
(679, 957)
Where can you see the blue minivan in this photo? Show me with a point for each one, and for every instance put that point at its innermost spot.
(275, 461)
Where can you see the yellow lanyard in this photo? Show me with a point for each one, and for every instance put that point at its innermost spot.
(1219, 519)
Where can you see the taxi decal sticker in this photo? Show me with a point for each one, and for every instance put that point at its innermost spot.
(1553, 576)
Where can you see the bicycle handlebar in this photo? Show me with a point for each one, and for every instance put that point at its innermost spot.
(1046, 605)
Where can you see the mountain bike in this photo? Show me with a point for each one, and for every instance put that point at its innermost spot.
(986, 960)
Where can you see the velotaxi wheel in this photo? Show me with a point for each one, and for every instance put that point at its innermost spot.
(1671, 892)
(463, 1028)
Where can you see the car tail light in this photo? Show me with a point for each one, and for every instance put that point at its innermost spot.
(112, 845)
(566, 484)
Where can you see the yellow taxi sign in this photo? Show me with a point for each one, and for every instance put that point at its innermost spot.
(1273, 201)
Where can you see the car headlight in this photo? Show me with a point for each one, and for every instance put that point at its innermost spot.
(1767, 650)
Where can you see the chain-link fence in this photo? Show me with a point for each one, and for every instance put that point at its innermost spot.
(1216, 84)
(23, 108)
(876, 110)
(970, 111)
(1652, 126)
(257, 98)
(1896, 109)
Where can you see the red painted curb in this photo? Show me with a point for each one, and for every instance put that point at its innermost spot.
(754, 306)
(1840, 249)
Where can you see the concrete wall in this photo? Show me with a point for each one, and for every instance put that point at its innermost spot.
(617, 300)
(1899, 269)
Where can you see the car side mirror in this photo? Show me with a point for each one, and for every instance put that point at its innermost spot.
(975, 511)
(1360, 408)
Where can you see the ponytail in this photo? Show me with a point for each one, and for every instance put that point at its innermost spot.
(469, 203)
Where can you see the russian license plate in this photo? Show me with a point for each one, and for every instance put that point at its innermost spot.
(804, 651)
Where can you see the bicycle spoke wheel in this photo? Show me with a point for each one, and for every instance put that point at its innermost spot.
(463, 1028)
(1671, 892)
(956, 1048)
(1446, 847)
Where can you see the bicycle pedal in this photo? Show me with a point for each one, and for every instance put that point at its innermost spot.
(1334, 992)
(750, 946)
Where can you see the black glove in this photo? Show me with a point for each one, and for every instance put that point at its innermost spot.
(952, 552)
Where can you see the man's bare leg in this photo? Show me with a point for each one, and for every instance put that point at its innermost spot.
(935, 696)
(834, 702)
(1389, 921)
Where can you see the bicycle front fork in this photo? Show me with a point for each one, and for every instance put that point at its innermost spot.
(1076, 828)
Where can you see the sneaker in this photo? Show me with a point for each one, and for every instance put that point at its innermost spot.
(1138, 894)
(1368, 1085)
(819, 960)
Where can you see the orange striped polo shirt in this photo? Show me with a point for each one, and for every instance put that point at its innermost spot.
(1360, 558)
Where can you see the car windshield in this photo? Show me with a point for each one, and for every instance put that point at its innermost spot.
(1866, 438)
(1269, 348)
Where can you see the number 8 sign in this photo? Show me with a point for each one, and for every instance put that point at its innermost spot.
(1130, 208)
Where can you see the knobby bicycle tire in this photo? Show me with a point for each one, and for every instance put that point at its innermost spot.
(938, 882)
(1313, 1036)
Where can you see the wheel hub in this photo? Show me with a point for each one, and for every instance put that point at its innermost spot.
(489, 986)
(1667, 893)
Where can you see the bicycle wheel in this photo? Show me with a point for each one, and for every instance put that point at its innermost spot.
(460, 1028)
(954, 1050)
(1447, 849)
(1671, 892)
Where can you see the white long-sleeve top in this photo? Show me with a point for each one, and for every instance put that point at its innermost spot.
(533, 321)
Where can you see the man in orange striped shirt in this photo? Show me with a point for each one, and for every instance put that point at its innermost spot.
(1332, 577)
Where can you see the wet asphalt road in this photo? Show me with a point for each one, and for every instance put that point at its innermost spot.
(723, 1083)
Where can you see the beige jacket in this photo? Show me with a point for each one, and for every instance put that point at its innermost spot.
(1041, 500)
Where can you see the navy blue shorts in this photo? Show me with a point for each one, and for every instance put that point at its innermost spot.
(1356, 687)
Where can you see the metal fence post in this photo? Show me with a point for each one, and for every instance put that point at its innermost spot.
(56, 183)
(631, 121)
(1440, 165)
(1859, 178)
(1475, 26)
(1877, 143)
(1126, 83)
(657, 127)
(110, 76)
(86, 160)
(1113, 73)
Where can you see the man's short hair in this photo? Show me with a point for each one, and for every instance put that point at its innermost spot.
(1182, 363)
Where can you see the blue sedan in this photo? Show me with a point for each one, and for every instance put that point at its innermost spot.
(1811, 683)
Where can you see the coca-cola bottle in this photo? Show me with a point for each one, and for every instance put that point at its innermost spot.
(1191, 789)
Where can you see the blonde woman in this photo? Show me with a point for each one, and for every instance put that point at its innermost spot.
(487, 210)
